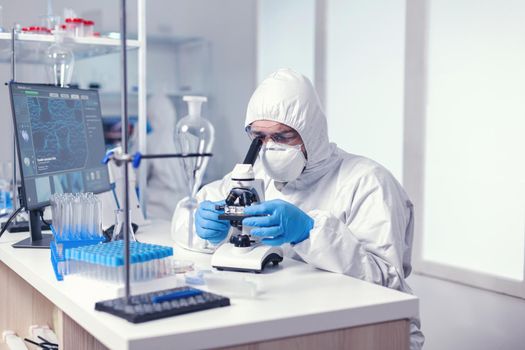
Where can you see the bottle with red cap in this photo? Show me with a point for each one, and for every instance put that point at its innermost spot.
(74, 27)
(89, 28)
(36, 30)
(70, 27)
(79, 27)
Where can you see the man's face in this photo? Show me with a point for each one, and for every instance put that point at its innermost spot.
(272, 130)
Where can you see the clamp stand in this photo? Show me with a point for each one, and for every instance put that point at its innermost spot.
(124, 158)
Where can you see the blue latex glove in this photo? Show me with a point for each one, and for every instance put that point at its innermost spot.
(283, 223)
(207, 222)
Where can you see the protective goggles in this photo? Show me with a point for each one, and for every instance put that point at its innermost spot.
(288, 137)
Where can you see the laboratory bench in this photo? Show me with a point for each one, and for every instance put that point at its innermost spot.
(298, 307)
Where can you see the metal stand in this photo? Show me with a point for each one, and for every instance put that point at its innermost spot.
(124, 123)
(14, 194)
(36, 239)
(124, 158)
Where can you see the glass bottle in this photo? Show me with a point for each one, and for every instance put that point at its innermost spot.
(194, 134)
(1, 19)
(118, 229)
(59, 61)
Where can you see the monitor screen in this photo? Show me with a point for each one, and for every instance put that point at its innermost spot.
(60, 141)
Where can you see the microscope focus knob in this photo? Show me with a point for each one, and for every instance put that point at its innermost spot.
(241, 241)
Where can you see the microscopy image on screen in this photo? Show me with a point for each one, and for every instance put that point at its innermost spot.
(60, 184)
(76, 183)
(59, 134)
(43, 188)
(60, 139)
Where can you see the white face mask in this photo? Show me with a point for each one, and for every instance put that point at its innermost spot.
(283, 163)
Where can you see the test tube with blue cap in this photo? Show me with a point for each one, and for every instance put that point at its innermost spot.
(105, 261)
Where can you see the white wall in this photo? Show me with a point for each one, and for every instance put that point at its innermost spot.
(455, 316)
(363, 91)
(364, 78)
(364, 85)
(286, 37)
(466, 35)
(475, 87)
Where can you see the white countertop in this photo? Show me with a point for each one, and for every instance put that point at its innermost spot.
(295, 299)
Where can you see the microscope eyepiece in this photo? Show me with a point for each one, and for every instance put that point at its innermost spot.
(253, 151)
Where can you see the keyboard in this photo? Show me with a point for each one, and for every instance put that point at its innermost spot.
(160, 304)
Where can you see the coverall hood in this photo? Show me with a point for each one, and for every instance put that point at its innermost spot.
(289, 98)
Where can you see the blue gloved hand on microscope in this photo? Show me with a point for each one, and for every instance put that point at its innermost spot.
(280, 222)
(208, 224)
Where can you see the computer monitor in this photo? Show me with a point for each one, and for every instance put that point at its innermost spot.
(60, 145)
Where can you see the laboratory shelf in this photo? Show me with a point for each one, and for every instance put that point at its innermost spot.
(109, 94)
(29, 47)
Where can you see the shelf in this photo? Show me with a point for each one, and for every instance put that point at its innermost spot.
(134, 94)
(29, 47)
(175, 40)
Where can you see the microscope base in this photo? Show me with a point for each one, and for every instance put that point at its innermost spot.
(247, 259)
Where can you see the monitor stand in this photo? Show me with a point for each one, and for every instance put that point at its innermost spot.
(23, 226)
(37, 239)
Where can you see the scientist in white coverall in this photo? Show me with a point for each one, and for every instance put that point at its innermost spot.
(334, 210)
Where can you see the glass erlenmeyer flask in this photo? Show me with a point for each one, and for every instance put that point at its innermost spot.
(118, 229)
(59, 61)
(194, 134)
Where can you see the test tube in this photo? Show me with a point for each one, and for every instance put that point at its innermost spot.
(69, 210)
(90, 222)
(61, 216)
(77, 217)
(56, 214)
(59, 224)
(104, 261)
(98, 217)
(68, 213)
(90, 209)
(86, 217)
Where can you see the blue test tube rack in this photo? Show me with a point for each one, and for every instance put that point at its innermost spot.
(59, 247)
(105, 262)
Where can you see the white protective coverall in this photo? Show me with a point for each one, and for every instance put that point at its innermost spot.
(363, 217)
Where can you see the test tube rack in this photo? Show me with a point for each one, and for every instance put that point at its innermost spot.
(105, 262)
(60, 246)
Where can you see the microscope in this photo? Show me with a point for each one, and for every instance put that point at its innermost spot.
(244, 252)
